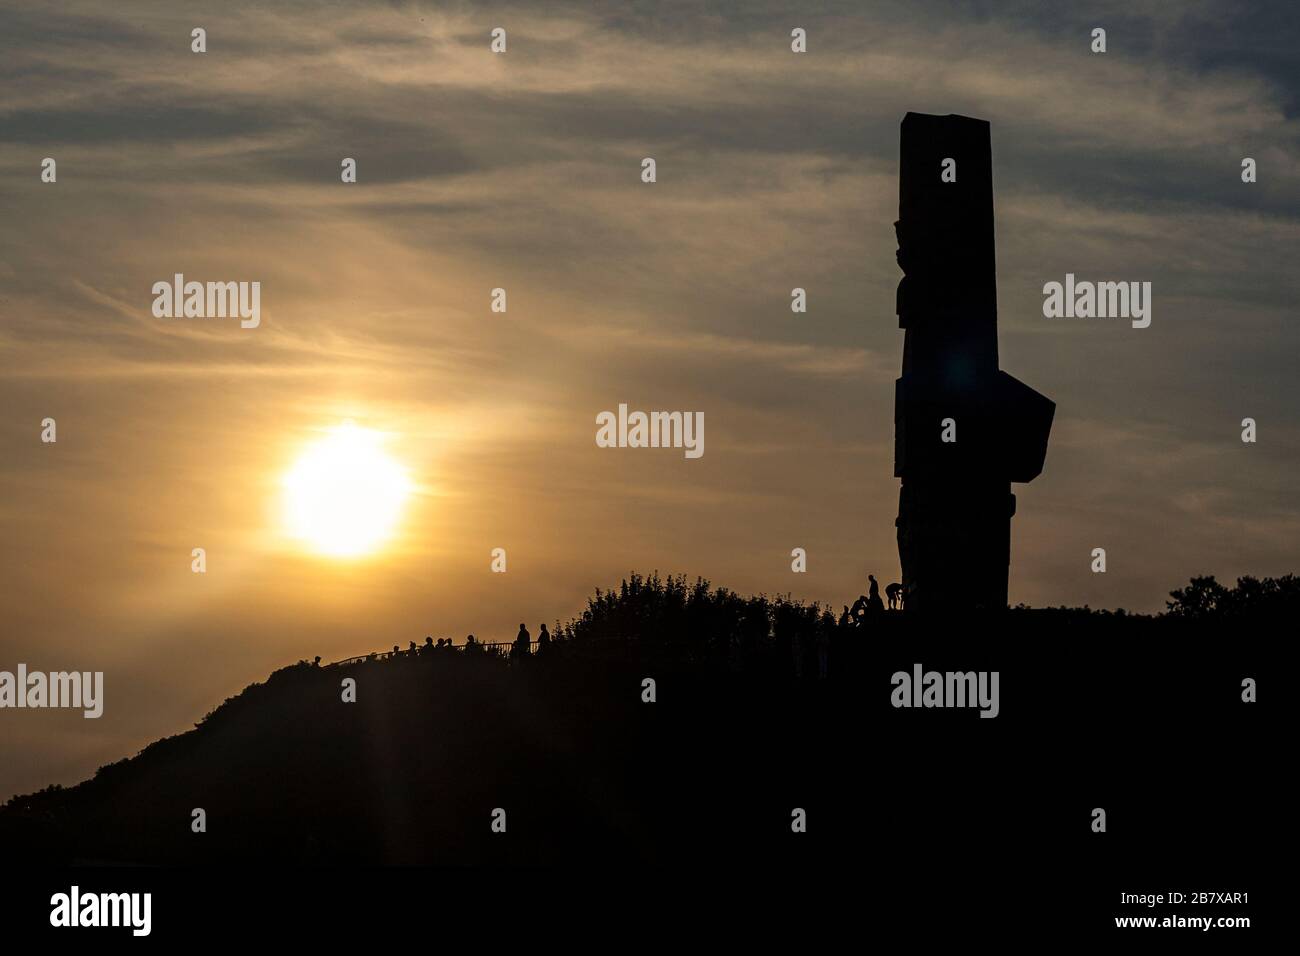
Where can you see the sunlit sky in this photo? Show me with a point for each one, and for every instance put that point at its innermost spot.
(521, 171)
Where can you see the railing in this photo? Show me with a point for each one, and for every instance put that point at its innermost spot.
(496, 648)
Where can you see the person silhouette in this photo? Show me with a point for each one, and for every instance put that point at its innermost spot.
(845, 618)
(543, 640)
(859, 612)
(522, 640)
(873, 600)
(895, 594)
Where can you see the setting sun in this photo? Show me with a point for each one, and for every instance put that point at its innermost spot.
(343, 496)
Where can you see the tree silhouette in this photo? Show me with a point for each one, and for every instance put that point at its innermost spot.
(1206, 598)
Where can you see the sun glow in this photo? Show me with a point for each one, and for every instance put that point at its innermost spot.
(343, 497)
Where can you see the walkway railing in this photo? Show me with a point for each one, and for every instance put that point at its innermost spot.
(496, 648)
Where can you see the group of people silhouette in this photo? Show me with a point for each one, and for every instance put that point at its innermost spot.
(521, 646)
(869, 604)
(523, 641)
(428, 647)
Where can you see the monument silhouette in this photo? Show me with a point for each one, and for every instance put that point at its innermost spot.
(963, 429)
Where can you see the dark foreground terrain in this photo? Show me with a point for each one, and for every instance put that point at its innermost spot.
(1140, 716)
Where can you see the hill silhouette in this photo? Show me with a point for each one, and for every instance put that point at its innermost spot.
(742, 731)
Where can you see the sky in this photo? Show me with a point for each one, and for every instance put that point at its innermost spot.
(521, 171)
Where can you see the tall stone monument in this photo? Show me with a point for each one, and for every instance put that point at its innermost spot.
(963, 429)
